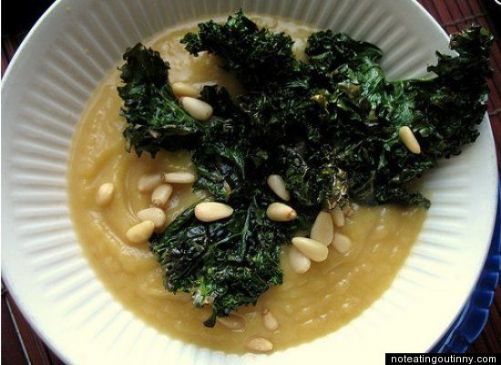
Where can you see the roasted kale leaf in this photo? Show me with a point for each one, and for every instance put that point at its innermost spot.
(358, 111)
(253, 54)
(329, 126)
(442, 110)
(228, 263)
(154, 118)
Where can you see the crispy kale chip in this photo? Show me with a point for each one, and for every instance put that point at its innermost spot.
(329, 126)
(154, 118)
(228, 263)
(368, 111)
(253, 54)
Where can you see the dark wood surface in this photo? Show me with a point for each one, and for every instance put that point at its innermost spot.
(21, 345)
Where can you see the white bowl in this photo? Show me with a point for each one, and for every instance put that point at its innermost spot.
(45, 90)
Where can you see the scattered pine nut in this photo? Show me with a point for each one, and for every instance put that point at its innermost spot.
(323, 229)
(314, 250)
(259, 344)
(277, 185)
(227, 188)
(161, 195)
(269, 320)
(298, 261)
(348, 211)
(212, 211)
(154, 214)
(183, 89)
(341, 243)
(232, 322)
(409, 139)
(338, 217)
(298, 48)
(179, 177)
(104, 194)
(140, 232)
(280, 212)
(198, 109)
(149, 182)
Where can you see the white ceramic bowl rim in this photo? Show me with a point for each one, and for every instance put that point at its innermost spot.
(478, 161)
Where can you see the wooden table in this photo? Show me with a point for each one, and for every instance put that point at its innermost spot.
(21, 345)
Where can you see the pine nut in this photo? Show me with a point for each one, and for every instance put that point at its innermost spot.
(269, 320)
(179, 177)
(323, 229)
(409, 139)
(183, 89)
(227, 188)
(348, 211)
(280, 212)
(212, 211)
(155, 215)
(341, 243)
(314, 250)
(298, 48)
(161, 195)
(277, 185)
(149, 182)
(232, 322)
(198, 109)
(104, 194)
(140, 232)
(299, 262)
(338, 217)
(259, 344)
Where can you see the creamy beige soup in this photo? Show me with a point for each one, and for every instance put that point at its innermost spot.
(306, 306)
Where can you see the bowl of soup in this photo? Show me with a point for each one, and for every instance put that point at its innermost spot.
(95, 297)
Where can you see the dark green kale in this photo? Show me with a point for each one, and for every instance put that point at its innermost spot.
(220, 159)
(254, 55)
(154, 118)
(329, 127)
(327, 51)
(367, 111)
(228, 263)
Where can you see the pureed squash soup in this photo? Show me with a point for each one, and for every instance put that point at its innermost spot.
(306, 306)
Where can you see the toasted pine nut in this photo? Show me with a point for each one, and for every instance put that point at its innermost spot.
(299, 262)
(140, 232)
(298, 48)
(280, 212)
(161, 195)
(149, 182)
(341, 243)
(259, 344)
(179, 177)
(277, 185)
(269, 320)
(409, 139)
(232, 322)
(156, 215)
(227, 188)
(323, 229)
(198, 109)
(183, 89)
(212, 211)
(314, 250)
(348, 210)
(104, 194)
(338, 217)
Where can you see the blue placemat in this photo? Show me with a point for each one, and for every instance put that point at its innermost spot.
(472, 319)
